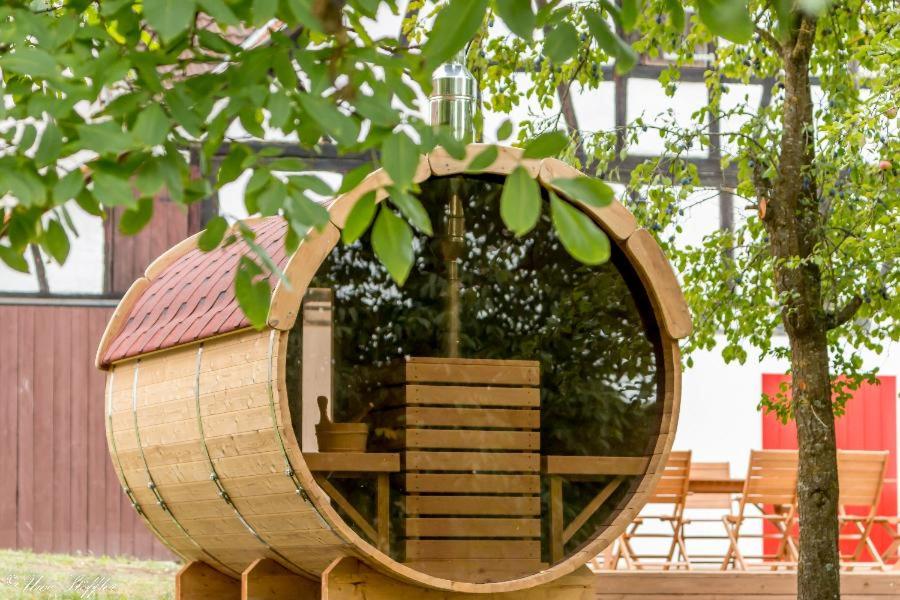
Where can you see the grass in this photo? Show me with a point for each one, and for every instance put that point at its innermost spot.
(28, 576)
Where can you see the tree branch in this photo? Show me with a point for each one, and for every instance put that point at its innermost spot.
(834, 319)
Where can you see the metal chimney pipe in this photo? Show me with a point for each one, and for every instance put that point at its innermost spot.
(453, 98)
(453, 106)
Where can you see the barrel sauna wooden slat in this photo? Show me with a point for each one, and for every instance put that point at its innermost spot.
(520, 462)
(467, 483)
(437, 505)
(482, 418)
(483, 549)
(466, 438)
(463, 371)
(473, 528)
(462, 395)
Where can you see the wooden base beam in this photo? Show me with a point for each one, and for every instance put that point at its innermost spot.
(266, 579)
(349, 579)
(198, 581)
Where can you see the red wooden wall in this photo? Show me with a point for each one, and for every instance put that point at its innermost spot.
(870, 423)
(58, 490)
(127, 256)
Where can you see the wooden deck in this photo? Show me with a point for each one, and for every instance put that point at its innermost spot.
(731, 585)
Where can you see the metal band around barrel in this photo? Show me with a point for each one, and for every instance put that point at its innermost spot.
(214, 474)
(152, 484)
(118, 462)
(288, 467)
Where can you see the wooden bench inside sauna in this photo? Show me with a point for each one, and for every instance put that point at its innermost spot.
(489, 426)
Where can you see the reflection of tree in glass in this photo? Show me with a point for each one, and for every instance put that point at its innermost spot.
(520, 299)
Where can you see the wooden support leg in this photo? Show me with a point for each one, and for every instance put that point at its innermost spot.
(198, 581)
(265, 579)
(556, 519)
(383, 512)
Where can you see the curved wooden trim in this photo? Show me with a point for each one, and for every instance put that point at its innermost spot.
(301, 267)
(508, 158)
(375, 181)
(659, 279)
(615, 219)
(117, 321)
(165, 260)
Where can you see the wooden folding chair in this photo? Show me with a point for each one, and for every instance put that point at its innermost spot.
(861, 479)
(771, 481)
(671, 490)
(722, 503)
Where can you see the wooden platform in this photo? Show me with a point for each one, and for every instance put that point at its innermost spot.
(731, 585)
(348, 579)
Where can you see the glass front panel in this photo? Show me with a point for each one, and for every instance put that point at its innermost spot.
(510, 394)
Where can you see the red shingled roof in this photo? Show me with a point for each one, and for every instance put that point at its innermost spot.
(193, 298)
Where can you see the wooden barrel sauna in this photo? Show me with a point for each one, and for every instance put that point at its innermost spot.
(500, 465)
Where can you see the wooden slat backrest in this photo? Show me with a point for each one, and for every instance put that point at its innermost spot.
(673, 485)
(771, 478)
(709, 470)
(861, 477)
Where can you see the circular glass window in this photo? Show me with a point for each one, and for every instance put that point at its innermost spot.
(494, 413)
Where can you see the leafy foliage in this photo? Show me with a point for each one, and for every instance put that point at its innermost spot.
(113, 103)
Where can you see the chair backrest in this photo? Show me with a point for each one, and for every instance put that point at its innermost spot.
(861, 477)
(771, 478)
(672, 487)
(709, 470)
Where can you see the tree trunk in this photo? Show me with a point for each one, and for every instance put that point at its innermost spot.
(794, 224)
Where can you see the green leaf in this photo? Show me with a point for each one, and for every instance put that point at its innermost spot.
(169, 18)
(412, 209)
(729, 19)
(68, 187)
(56, 242)
(338, 125)
(676, 12)
(134, 219)
(579, 234)
(279, 109)
(88, 203)
(392, 241)
(263, 10)
(24, 185)
(151, 126)
(272, 197)
(400, 158)
(283, 66)
(453, 27)
(610, 42)
(505, 131)
(547, 144)
(585, 189)
(104, 138)
(150, 178)
(315, 184)
(520, 202)
(233, 165)
(50, 146)
(14, 260)
(112, 190)
(32, 62)
(561, 42)
(354, 177)
(305, 212)
(302, 11)
(220, 11)
(252, 291)
(483, 159)
(377, 109)
(360, 218)
(630, 10)
(213, 234)
(518, 16)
